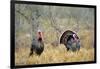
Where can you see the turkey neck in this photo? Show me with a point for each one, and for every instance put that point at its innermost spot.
(40, 36)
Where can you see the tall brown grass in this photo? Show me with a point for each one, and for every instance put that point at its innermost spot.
(53, 55)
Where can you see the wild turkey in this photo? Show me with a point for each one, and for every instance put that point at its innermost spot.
(70, 40)
(37, 44)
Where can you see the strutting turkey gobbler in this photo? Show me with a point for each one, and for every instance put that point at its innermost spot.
(70, 40)
(37, 44)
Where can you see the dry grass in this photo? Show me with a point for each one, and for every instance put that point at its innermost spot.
(56, 54)
(53, 55)
(86, 38)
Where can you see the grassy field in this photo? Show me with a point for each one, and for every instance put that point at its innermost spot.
(53, 21)
(53, 55)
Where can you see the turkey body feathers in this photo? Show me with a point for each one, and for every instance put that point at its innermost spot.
(65, 35)
(70, 42)
(37, 47)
